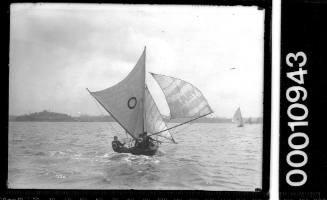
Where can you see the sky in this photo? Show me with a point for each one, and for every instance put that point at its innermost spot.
(59, 50)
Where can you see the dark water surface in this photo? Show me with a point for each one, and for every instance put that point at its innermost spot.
(78, 155)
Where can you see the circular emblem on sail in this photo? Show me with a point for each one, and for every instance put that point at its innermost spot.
(131, 103)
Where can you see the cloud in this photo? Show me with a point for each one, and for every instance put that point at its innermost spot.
(57, 50)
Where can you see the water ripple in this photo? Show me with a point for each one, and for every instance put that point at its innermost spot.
(79, 156)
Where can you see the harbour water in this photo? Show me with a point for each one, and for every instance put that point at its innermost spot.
(78, 155)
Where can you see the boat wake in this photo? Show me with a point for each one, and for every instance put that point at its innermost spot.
(110, 157)
(141, 159)
(133, 159)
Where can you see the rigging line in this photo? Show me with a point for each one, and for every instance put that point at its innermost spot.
(143, 112)
(180, 124)
(166, 142)
(190, 124)
(183, 129)
(96, 103)
(163, 137)
(104, 115)
(111, 114)
(115, 130)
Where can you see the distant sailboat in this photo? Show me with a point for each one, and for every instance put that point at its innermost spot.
(237, 118)
(131, 104)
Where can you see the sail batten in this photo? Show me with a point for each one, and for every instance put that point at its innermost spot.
(184, 99)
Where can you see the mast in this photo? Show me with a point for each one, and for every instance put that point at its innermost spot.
(130, 103)
(143, 101)
(124, 100)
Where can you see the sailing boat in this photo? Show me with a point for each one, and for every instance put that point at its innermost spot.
(237, 118)
(131, 105)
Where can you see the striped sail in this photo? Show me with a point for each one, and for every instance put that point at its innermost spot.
(184, 100)
(237, 118)
(153, 119)
(124, 101)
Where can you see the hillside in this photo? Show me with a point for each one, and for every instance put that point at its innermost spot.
(44, 116)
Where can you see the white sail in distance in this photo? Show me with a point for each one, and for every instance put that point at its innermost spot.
(125, 100)
(153, 119)
(184, 100)
(237, 118)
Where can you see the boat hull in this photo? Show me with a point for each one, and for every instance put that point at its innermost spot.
(150, 151)
(141, 151)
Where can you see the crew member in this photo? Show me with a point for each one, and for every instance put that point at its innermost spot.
(147, 140)
(116, 144)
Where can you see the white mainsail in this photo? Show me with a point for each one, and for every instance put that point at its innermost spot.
(237, 118)
(184, 99)
(125, 100)
(130, 103)
(153, 119)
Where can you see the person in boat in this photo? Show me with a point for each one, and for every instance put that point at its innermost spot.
(147, 139)
(116, 144)
(144, 141)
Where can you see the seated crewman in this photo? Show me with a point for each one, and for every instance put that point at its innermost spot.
(147, 140)
(116, 144)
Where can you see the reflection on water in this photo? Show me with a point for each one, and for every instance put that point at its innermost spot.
(79, 156)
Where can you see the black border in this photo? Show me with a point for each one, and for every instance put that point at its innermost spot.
(144, 194)
(302, 29)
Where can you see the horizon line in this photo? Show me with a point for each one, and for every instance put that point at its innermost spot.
(107, 114)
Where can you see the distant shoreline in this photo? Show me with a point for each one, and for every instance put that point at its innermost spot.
(46, 116)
